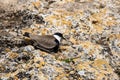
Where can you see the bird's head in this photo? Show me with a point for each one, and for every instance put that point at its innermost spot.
(58, 36)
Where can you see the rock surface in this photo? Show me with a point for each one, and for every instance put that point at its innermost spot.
(92, 30)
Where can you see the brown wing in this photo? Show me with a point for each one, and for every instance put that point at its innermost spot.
(46, 41)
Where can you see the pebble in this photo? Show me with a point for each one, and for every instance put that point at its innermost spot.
(29, 48)
(82, 73)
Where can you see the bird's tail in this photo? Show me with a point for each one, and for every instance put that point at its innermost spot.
(26, 34)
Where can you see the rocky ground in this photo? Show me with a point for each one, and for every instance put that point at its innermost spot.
(92, 30)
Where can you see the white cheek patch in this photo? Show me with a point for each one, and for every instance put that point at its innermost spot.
(57, 37)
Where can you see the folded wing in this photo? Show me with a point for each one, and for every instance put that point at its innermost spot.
(46, 42)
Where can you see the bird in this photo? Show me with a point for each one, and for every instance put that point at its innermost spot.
(47, 43)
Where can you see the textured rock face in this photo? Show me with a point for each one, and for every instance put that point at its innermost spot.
(12, 5)
(92, 30)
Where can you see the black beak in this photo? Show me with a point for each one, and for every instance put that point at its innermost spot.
(63, 38)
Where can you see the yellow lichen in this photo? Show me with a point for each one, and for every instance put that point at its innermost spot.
(69, 0)
(59, 17)
(110, 21)
(12, 55)
(64, 47)
(86, 44)
(102, 65)
(98, 28)
(44, 31)
(27, 30)
(100, 76)
(61, 76)
(72, 40)
(36, 4)
(39, 62)
(7, 50)
(83, 65)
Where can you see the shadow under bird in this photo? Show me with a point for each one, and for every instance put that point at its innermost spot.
(47, 43)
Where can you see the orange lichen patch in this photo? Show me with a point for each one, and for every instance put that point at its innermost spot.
(66, 13)
(57, 20)
(64, 47)
(12, 55)
(7, 50)
(7, 75)
(36, 4)
(65, 22)
(117, 36)
(77, 59)
(67, 31)
(101, 64)
(85, 29)
(73, 30)
(34, 30)
(44, 31)
(59, 56)
(97, 20)
(91, 52)
(39, 65)
(51, 19)
(89, 45)
(80, 67)
(73, 40)
(69, 0)
(58, 69)
(100, 76)
(27, 30)
(110, 21)
(13, 74)
(43, 53)
(62, 12)
(42, 76)
(92, 49)
(97, 17)
(100, 67)
(83, 65)
(114, 36)
(98, 28)
(36, 59)
(86, 44)
(37, 25)
(39, 62)
(61, 76)
(1, 68)
(60, 17)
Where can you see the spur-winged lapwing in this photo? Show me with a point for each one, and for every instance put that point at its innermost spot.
(47, 43)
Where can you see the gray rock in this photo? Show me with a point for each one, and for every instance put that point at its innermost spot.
(29, 48)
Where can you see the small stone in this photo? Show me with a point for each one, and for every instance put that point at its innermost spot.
(29, 48)
(13, 33)
(82, 73)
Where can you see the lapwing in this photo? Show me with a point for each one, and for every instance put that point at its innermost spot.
(47, 43)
